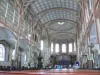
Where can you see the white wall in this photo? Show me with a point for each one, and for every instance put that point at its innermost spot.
(45, 52)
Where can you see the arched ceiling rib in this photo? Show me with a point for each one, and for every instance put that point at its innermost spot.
(63, 33)
(41, 5)
(57, 20)
(64, 36)
(50, 12)
(53, 25)
(71, 31)
(58, 14)
(56, 8)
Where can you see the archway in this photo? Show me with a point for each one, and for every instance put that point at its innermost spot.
(8, 36)
(2, 52)
(8, 39)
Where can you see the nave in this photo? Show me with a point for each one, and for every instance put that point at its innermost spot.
(49, 37)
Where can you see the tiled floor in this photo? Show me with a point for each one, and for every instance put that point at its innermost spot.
(52, 72)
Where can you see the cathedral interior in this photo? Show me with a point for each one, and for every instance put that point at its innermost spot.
(49, 37)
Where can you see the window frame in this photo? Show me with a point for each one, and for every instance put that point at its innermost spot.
(3, 52)
(41, 44)
(52, 46)
(74, 46)
(63, 48)
(70, 48)
(57, 48)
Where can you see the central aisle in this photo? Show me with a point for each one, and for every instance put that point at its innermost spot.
(52, 72)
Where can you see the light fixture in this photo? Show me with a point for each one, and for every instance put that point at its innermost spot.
(60, 23)
(29, 35)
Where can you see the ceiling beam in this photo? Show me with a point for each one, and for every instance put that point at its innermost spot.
(49, 24)
(62, 33)
(57, 20)
(56, 8)
(70, 37)
(61, 30)
(60, 40)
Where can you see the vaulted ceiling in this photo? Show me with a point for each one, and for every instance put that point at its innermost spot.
(58, 16)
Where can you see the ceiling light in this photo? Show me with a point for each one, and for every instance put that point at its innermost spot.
(29, 35)
(60, 23)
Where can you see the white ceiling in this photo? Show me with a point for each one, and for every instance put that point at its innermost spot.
(50, 12)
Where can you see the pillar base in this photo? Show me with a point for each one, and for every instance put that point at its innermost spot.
(99, 61)
(90, 64)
